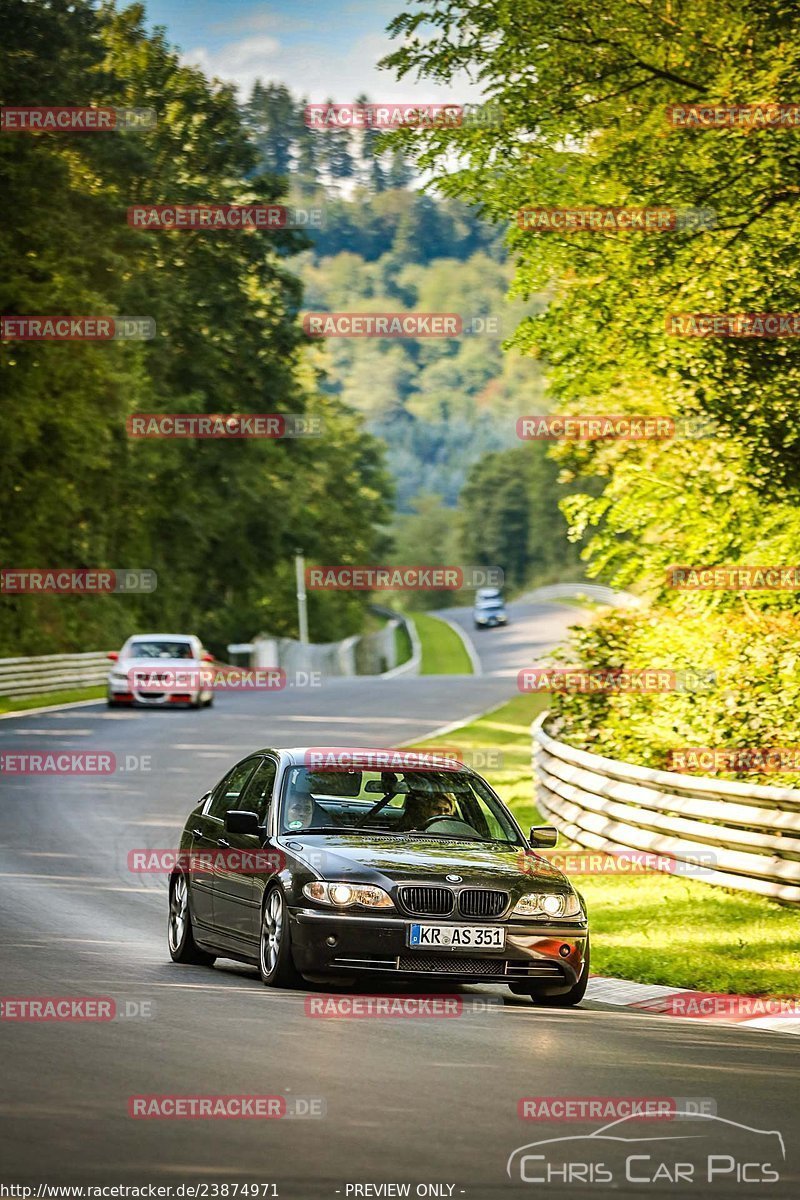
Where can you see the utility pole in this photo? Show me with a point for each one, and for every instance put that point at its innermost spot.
(302, 610)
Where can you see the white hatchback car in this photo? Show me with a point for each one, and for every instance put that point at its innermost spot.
(159, 669)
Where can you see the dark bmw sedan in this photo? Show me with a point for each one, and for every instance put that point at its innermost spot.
(373, 863)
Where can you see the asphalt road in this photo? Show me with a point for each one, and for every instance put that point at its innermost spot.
(422, 1101)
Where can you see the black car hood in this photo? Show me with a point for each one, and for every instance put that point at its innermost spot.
(386, 860)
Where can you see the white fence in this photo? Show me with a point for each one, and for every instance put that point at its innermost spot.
(365, 654)
(750, 834)
(52, 673)
(591, 591)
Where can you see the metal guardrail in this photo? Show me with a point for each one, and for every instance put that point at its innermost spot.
(591, 591)
(372, 654)
(52, 673)
(751, 833)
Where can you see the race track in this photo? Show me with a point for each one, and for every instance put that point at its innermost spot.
(422, 1101)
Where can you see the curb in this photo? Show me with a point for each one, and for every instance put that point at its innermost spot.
(32, 712)
(715, 1008)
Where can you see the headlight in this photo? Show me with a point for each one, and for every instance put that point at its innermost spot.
(345, 895)
(549, 904)
(119, 676)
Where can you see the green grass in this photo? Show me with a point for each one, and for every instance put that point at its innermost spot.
(9, 704)
(651, 928)
(402, 645)
(443, 651)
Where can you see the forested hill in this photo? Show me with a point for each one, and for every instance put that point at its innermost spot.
(387, 246)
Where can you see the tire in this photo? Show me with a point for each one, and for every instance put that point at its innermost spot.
(209, 702)
(275, 963)
(180, 937)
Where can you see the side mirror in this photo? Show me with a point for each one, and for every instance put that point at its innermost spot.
(113, 655)
(238, 821)
(206, 657)
(543, 835)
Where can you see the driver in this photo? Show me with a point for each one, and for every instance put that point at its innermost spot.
(302, 810)
(422, 807)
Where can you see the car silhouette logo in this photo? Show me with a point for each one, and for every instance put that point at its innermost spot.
(453, 878)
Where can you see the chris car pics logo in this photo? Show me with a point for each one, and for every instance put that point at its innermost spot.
(704, 1151)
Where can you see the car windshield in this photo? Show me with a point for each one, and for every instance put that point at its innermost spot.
(159, 649)
(440, 804)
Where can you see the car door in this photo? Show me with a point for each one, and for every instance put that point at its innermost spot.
(204, 841)
(238, 889)
(209, 832)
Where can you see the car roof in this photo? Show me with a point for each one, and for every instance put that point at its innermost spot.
(295, 756)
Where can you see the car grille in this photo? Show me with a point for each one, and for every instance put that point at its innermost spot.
(427, 901)
(445, 965)
(480, 902)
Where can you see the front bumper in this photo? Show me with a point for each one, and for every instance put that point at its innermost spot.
(548, 955)
(121, 692)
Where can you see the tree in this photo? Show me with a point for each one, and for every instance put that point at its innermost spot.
(217, 520)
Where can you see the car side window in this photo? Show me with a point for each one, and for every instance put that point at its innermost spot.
(227, 793)
(258, 793)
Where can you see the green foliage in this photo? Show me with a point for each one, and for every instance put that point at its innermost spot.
(218, 521)
(439, 403)
(584, 124)
(510, 517)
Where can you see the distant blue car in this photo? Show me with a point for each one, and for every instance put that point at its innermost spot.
(489, 609)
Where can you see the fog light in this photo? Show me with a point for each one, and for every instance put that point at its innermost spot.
(331, 941)
(564, 950)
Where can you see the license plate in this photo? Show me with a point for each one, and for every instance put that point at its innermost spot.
(457, 937)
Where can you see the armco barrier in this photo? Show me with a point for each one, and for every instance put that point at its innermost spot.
(367, 654)
(598, 592)
(52, 673)
(752, 831)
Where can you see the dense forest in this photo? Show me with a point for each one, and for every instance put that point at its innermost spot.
(465, 490)
(218, 521)
(419, 441)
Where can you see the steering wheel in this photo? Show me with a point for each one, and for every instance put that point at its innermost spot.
(451, 821)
